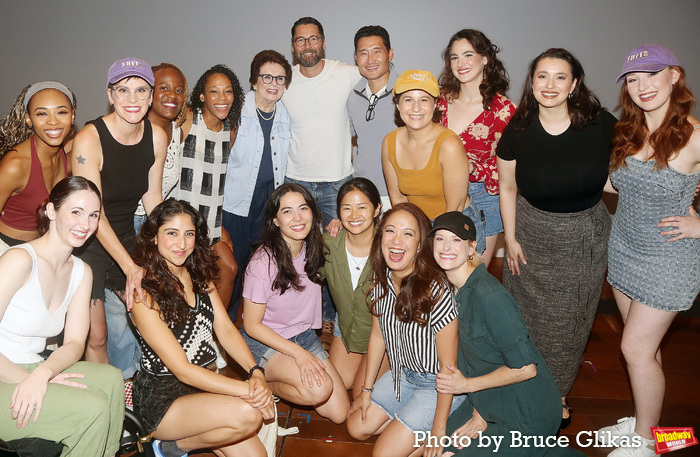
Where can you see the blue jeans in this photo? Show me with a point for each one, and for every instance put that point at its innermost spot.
(416, 410)
(123, 348)
(139, 219)
(477, 216)
(306, 339)
(325, 194)
(489, 205)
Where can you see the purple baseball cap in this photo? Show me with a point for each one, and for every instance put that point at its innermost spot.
(648, 58)
(123, 68)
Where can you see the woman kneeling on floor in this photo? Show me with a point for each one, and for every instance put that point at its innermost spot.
(186, 405)
(46, 290)
(508, 385)
(282, 305)
(414, 321)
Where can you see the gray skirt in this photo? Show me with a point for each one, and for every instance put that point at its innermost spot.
(559, 289)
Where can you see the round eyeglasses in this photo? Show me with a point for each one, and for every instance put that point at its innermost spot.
(279, 80)
(301, 41)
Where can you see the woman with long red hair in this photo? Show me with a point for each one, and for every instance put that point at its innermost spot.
(654, 260)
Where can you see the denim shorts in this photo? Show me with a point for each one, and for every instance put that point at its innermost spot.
(490, 205)
(336, 327)
(139, 219)
(307, 340)
(479, 223)
(416, 410)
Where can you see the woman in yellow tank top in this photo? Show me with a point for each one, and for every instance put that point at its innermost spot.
(423, 162)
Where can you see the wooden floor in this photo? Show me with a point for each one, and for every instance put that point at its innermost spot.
(601, 393)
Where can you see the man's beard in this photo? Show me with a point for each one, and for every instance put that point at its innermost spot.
(310, 60)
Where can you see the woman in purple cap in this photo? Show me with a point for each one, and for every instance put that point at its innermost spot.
(123, 154)
(32, 144)
(654, 262)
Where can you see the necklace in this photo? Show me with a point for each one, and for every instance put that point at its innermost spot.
(260, 113)
(358, 264)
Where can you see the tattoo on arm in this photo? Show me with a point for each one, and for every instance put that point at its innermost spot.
(81, 160)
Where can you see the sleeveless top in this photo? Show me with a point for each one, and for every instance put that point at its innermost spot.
(20, 210)
(203, 172)
(196, 336)
(423, 187)
(171, 167)
(27, 322)
(642, 263)
(124, 175)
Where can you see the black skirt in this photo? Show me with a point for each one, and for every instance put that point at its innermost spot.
(153, 396)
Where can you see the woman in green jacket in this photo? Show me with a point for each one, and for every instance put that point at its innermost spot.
(347, 273)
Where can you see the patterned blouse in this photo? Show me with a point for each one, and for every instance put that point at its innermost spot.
(203, 171)
(409, 344)
(196, 336)
(480, 139)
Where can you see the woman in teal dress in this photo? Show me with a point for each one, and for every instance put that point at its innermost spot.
(509, 388)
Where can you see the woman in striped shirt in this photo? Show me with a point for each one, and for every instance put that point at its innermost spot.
(414, 320)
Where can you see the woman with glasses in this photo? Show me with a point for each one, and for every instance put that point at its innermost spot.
(258, 159)
(209, 131)
(123, 154)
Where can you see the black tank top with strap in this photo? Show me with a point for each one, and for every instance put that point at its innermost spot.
(124, 175)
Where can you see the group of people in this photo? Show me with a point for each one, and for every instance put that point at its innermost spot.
(208, 198)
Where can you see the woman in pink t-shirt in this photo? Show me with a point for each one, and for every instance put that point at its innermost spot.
(282, 305)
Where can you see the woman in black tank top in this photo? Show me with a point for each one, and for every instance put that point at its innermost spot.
(123, 154)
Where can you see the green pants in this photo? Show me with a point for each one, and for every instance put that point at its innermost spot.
(87, 422)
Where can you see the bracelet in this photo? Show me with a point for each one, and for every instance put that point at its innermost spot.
(365, 389)
(256, 367)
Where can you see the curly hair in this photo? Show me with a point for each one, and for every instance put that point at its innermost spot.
(165, 288)
(416, 297)
(631, 132)
(182, 115)
(234, 115)
(277, 250)
(14, 128)
(582, 104)
(496, 80)
(269, 56)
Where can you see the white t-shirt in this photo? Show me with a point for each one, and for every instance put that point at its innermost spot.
(321, 149)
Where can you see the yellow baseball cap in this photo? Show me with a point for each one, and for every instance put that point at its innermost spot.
(417, 79)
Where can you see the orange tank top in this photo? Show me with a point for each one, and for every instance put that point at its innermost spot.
(422, 187)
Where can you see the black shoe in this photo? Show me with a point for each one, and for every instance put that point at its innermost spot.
(566, 421)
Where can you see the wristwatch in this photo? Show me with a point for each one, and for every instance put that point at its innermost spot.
(256, 367)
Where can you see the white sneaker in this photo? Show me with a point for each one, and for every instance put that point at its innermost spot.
(645, 449)
(624, 427)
